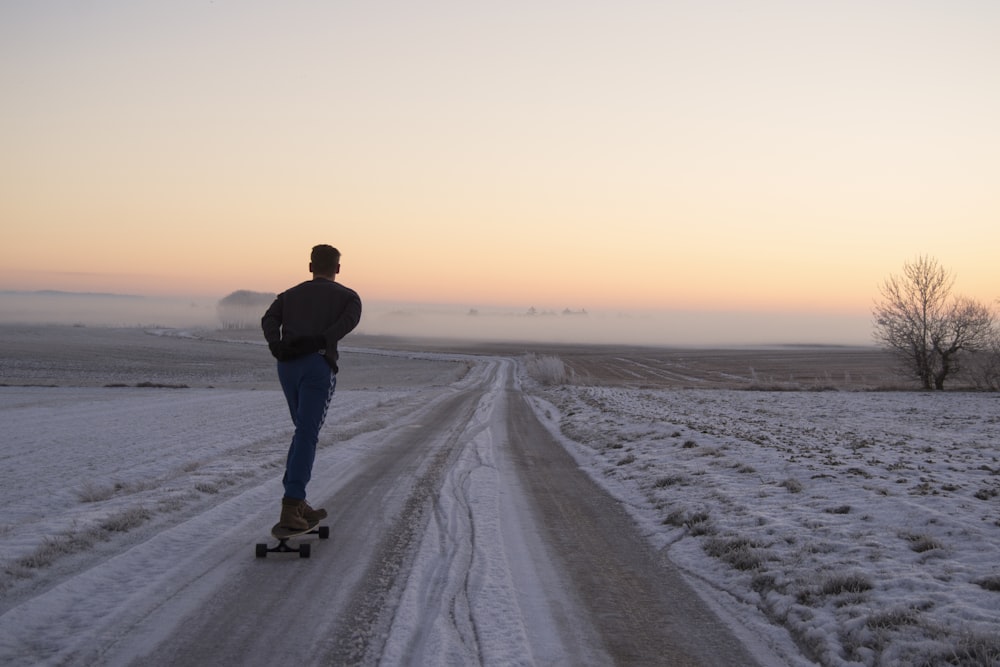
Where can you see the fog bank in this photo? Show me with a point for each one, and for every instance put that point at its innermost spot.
(687, 328)
(409, 320)
(111, 310)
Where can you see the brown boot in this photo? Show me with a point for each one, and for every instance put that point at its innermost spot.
(291, 514)
(311, 515)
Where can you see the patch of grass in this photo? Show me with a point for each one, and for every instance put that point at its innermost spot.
(762, 583)
(991, 583)
(701, 528)
(892, 619)
(547, 370)
(968, 651)
(987, 494)
(92, 492)
(792, 485)
(670, 480)
(840, 509)
(126, 520)
(922, 543)
(851, 582)
(75, 541)
(52, 548)
(95, 493)
(689, 444)
(675, 518)
(740, 553)
(697, 523)
(700, 523)
(625, 460)
(170, 505)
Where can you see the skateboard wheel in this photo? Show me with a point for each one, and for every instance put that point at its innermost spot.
(304, 551)
(324, 532)
(261, 551)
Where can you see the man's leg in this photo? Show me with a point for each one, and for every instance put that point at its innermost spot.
(308, 384)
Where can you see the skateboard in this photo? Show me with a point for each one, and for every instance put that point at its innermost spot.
(284, 534)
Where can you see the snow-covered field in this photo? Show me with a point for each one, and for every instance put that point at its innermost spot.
(845, 527)
(866, 524)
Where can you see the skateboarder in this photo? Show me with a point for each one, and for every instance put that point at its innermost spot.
(302, 328)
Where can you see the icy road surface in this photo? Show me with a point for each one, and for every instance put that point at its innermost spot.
(461, 534)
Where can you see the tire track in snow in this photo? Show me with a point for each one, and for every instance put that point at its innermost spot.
(459, 606)
(362, 638)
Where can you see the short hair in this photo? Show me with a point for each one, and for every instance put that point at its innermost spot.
(325, 259)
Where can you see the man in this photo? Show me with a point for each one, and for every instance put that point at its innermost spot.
(302, 328)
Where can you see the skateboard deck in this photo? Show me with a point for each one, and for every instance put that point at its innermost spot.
(282, 534)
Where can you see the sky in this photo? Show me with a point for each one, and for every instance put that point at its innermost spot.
(706, 156)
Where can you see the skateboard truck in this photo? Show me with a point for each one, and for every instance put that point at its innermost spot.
(303, 550)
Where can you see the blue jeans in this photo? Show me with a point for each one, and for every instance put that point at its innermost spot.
(308, 383)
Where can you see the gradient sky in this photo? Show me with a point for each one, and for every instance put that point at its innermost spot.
(708, 155)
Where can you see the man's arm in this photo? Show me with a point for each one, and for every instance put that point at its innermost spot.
(348, 319)
(271, 322)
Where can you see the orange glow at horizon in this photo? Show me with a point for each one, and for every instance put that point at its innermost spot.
(680, 156)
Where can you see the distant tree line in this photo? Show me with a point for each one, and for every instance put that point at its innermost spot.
(243, 309)
(934, 334)
(532, 311)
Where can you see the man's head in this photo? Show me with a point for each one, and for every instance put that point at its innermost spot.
(324, 261)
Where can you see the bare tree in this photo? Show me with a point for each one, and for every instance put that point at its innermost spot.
(986, 363)
(928, 329)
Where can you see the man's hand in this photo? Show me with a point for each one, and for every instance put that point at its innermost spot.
(278, 351)
(294, 348)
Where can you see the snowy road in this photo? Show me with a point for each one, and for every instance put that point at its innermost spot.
(461, 534)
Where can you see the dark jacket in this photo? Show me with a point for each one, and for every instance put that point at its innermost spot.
(310, 317)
